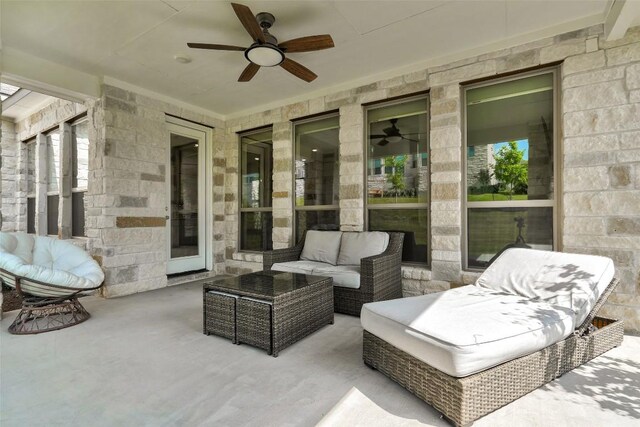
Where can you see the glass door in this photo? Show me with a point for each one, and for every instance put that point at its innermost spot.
(186, 213)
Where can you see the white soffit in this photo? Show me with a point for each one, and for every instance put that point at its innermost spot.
(135, 41)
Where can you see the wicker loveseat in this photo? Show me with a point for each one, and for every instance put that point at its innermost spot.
(528, 319)
(365, 266)
(49, 274)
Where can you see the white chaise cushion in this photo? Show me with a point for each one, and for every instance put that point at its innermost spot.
(356, 246)
(574, 281)
(469, 329)
(321, 246)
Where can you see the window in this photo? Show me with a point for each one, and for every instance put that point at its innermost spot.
(509, 166)
(31, 186)
(256, 166)
(317, 171)
(53, 180)
(80, 174)
(398, 173)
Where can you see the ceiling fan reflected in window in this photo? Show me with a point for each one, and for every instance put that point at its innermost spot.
(265, 51)
(392, 134)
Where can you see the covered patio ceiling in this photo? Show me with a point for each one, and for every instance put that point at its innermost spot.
(76, 45)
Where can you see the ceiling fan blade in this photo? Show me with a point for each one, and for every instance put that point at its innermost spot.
(307, 44)
(377, 136)
(248, 21)
(409, 139)
(383, 142)
(215, 46)
(298, 70)
(248, 72)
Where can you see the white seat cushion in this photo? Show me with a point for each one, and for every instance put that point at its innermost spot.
(469, 329)
(573, 281)
(300, 267)
(321, 246)
(344, 276)
(356, 246)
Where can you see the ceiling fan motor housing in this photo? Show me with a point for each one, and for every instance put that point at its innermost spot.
(265, 19)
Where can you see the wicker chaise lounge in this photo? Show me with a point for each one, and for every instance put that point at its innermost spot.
(362, 271)
(530, 318)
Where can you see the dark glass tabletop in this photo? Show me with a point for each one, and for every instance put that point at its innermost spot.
(267, 284)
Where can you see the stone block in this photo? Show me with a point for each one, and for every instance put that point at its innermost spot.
(445, 137)
(445, 219)
(517, 61)
(620, 176)
(597, 143)
(589, 226)
(445, 155)
(586, 178)
(586, 62)
(594, 96)
(446, 243)
(133, 222)
(446, 176)
(595, 76)
(467, 72)
(446, 231)
(623, 54)
(622, 225)
(560, 51)
(602, 120)
(448, 106)
(446, 166)
(438, 255)
(602, 203)
(408, 88)
(445, 191)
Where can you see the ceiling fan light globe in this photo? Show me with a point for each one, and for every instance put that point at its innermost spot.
(264, 55)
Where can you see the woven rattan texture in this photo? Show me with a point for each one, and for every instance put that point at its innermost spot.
(254, 323)
(276, 324)
(464, 400)
(219, 317)
(380, 275)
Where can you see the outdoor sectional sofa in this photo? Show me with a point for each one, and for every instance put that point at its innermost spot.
(365, 266)
(528, 319)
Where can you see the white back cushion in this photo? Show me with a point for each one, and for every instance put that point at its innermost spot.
(8, 243)
(356, 246)
(572, 281)
(321, 246)
(18, 244)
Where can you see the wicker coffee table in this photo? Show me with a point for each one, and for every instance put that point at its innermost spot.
(267, 309)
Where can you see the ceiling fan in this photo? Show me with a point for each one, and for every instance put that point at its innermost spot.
(392, 134)
(265, 51)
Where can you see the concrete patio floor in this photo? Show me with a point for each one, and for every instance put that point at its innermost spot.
(142, 360)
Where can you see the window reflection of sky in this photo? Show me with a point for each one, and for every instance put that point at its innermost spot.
(523, 144)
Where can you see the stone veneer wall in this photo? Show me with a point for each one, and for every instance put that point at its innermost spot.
(127, 190)
(125, 201)
(600, 157)
(9, 156)
(599, 192)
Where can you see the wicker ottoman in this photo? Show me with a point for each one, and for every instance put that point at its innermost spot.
(270, 309)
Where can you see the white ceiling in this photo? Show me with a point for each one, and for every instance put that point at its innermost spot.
(135, 41)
